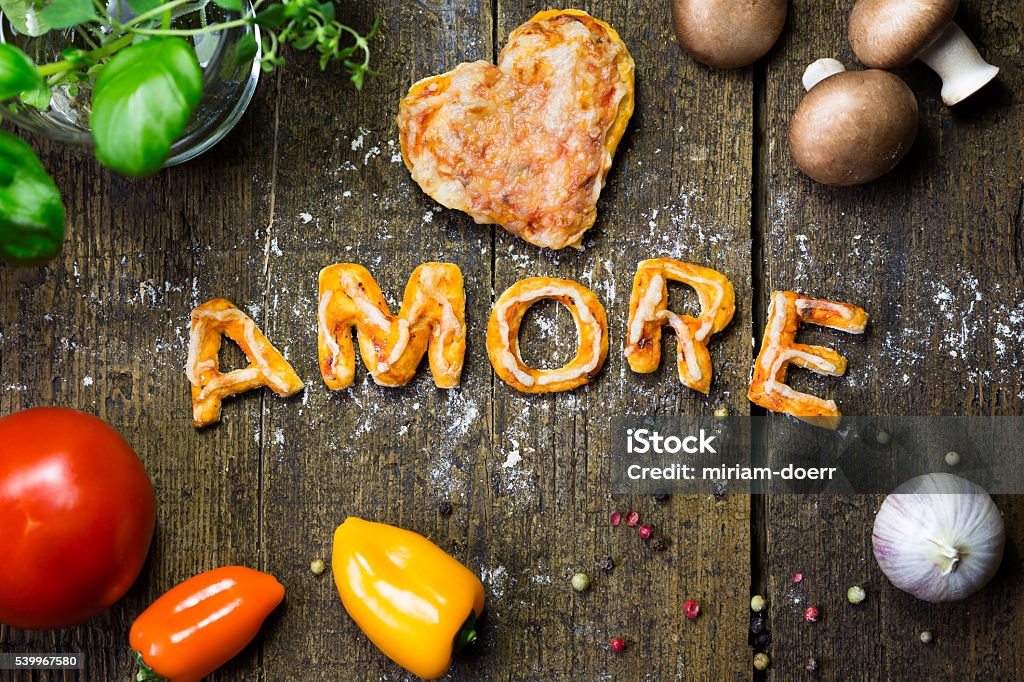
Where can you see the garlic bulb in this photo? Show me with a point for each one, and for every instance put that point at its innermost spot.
(939, 537)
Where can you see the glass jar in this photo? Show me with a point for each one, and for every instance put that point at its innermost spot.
(227, 86)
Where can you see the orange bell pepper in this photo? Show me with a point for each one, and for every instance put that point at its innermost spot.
(416, 603)
(201, 624)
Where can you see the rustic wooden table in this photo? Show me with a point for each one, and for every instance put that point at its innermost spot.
(312, 176)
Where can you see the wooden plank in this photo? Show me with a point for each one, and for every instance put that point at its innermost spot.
(104, 328)
(932, 251)
(393, 455)
(679, 188)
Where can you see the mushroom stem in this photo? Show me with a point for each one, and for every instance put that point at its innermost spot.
(821, 69)
(956, 60)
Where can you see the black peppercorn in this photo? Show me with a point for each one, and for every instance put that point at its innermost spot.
(444, 509)
(606, 564)
(756, 625)
(812, 665)
(661, 497)
(763, 640)
(658, 545)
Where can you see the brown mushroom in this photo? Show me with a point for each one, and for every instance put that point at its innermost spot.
(728, 34)
(888, 34)
(852, 126)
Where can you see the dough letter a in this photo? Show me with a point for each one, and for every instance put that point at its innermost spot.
(211, 322)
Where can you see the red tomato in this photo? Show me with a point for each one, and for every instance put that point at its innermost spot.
(76, 517)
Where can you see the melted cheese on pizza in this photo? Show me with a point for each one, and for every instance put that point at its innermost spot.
(525, 144)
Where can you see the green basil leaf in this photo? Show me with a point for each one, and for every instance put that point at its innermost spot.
(68, 13)
(38, 98)
(142, 102)
(272, 17)
(305, 42)
(230, 5)
(24, 16)
(31, 211)
(143, 6)
(246, 49)
(17, 73)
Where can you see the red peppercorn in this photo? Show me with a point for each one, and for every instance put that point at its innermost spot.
(811, 614)
(691, 609)
(632, 518)
(617, 644)
(798, 577)
(645, 531)
(616, 518)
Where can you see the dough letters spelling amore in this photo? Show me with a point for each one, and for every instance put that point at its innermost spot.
(432, 321)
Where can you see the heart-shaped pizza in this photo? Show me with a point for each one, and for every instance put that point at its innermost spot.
(526, 144)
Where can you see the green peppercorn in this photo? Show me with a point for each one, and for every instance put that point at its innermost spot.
(926, 636)
(883, 437)
(580, 582)
(761, 661)
(757, 603)
(317, 566)
(856, 594)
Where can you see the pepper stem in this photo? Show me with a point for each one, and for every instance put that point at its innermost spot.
(466, 634)
(147, 674)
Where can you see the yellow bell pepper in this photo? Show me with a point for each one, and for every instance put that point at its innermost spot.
(414, 601)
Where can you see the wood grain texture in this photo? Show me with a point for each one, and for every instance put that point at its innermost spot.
(342, 194)
(527, 476)
(932, 252)
(312, 177)
(679, 188)
(104, 328)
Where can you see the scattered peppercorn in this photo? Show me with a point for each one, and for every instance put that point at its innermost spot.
(757, 603)
(719, 489)
(644, 531)
(632, 518)
(952, 458)
(721, 413)
(756, 625)
(926, 636)
(811, 666)
(856, 594)
(317, 566)
(658, 545)
(691, 608)
(883, 437)
(444, 509)
(798, 577)
(606, 564)
(761, 661)
(811, 614)
(661, 497)
(763, 640)
(617, 644)
(616, 518)
(580, 582)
